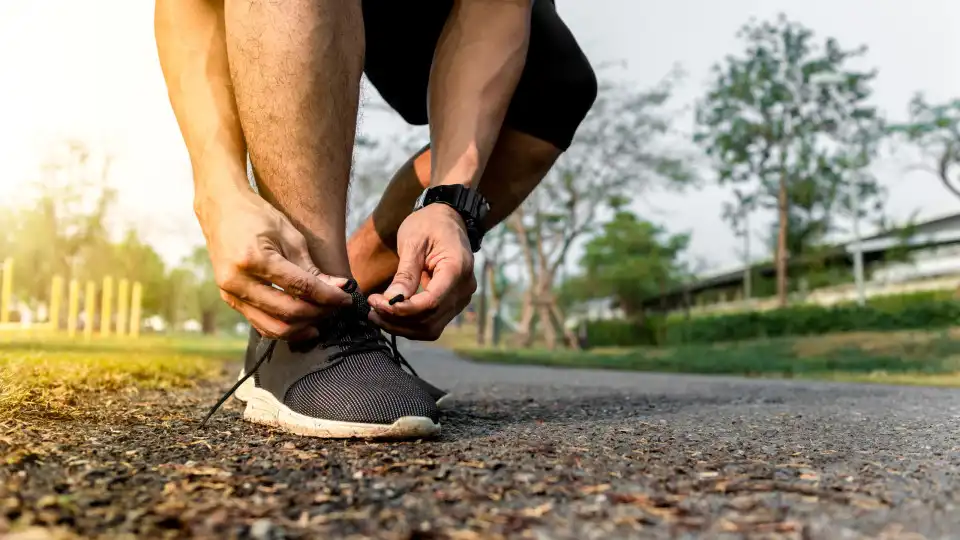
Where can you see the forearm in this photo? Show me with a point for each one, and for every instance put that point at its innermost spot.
(191, 45)
(478, 62)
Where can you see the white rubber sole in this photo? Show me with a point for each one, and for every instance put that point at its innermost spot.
(249, 385)
(263, 408)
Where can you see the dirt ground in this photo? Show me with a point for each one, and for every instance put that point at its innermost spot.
(525, 453)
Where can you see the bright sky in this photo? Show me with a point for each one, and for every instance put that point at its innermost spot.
(89, 70)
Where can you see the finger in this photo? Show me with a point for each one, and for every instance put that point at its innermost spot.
(446, 276)
(275, 303)
(269, 327)
(407, 329)
(406, 280)
(300, 256)
(309, 332)
(401, 320)
(298, 282)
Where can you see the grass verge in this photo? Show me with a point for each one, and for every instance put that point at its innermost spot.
(920, 358)
(53, 377)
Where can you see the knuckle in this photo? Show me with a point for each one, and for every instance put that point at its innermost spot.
(282, 314)
(249, 259)
(280, 330)
(406, 276)
(226, 277)
(431, 303)
(299, 286)
(229, 299)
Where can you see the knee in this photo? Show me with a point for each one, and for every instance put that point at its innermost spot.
(581, 91)
(575, 92)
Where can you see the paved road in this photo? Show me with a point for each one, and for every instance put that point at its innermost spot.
(526, 453)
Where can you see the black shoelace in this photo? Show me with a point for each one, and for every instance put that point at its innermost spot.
(374, 342)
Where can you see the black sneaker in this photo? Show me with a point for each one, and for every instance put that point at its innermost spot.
(256, 343)
(346, 383)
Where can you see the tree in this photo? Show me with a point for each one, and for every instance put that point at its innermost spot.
(212, 311)
(632, 260)
(737, 214)
(494, 284)
(935, 129)
(67, 215)
(771, 117)
(618, 152)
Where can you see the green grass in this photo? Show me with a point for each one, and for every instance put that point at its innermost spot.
(53, 376)
(925, 358)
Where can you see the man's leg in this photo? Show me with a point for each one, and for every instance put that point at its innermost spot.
(296, 69)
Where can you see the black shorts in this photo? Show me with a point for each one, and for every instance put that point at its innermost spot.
(555, 91)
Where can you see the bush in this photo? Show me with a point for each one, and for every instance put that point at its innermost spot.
(883, 315)
(622, 333)
(924, 310)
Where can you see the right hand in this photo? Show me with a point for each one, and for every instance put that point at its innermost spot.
(252, 244)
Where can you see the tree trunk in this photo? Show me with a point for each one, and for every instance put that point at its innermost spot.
(493, 307)
(482, 301)
(549, 327)
(783, 211)
(525, 328)
(208, 322)
(569, 336)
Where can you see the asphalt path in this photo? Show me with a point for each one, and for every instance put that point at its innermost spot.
(526, 452)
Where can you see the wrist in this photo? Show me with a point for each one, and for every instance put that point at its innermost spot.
(466, 171)
(451, 212)
(212, 191)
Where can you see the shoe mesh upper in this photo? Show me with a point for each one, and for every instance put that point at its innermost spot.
(364, 387)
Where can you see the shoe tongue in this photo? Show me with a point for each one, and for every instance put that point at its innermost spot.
(350, 323)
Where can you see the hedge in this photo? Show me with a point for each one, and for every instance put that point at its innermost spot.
(899, 312)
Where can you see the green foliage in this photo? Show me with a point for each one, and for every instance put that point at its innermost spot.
(781, 118)
(631, 260)
(63, 232)
(879, 315)
(625, 333)
(66, 216)
(197, 280)
(922, 310)
(930, 355)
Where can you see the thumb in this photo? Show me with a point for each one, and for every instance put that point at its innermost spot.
(407, 279)
(300, 256)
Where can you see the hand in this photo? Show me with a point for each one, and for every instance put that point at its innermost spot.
(252, 245)
(434, 252)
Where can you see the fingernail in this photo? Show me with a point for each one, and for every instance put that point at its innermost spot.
(333, 281)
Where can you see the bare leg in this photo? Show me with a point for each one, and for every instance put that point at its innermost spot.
(517, 164)
(296, 69)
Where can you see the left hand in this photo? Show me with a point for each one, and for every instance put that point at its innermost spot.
(434, 251)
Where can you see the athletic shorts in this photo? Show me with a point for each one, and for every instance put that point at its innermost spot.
(554, 93)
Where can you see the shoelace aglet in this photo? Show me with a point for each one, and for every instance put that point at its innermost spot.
(396, 299)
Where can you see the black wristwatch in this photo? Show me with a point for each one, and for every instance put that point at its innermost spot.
(469, 203)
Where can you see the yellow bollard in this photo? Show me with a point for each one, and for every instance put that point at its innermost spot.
(123, 303)
(89, 307)
(73, 305)
(56, 298)
(135, 310)
(105, 306)
(6, 291)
